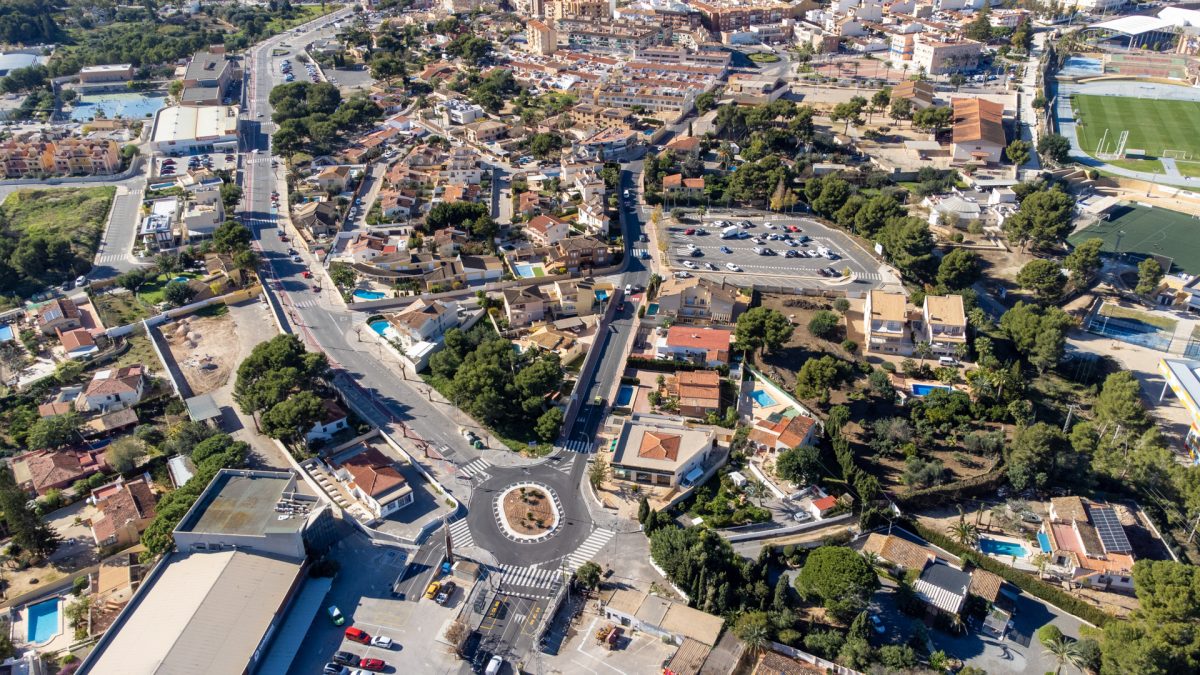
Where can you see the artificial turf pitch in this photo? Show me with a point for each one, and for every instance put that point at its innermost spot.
(1149, 231)
(1153, 125)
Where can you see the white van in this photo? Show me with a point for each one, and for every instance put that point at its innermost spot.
(730, 232)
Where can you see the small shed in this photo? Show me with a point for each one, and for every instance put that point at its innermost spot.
(203, 408)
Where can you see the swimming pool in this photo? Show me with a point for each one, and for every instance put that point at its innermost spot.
(1044, 542)
(6, 333)
(997, 547)
(524, 271)
(42, 620)
(182, 280)
(625, 395)
(762, 398)
(652, 309)
(128, 105)
(380, 327)
(924, 389)
(368, 295)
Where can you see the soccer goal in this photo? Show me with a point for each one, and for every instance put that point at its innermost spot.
(1176, 154)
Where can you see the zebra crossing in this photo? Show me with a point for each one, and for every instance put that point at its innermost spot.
(304, 304)
(528, 577)
(460, 533)
(109, 258)
(475, 469)
(589, 548)
(640, 253)
(580, 446)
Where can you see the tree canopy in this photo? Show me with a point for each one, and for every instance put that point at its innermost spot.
(839, 578)
(762, 328)
(1043, 219)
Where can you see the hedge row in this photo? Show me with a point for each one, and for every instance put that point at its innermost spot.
(670, 366)
(1026, 582)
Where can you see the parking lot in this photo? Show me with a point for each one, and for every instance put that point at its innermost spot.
(170, 167)
(769, 247)
(294, 71)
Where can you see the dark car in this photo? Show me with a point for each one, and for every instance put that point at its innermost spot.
(333, 669)
(345, 658)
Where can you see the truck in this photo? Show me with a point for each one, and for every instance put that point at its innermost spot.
(730, 232)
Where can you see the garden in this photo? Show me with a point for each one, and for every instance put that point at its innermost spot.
(529, 511)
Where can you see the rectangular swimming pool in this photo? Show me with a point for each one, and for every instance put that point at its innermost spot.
(925, 389)
(762, 398)
(1005, 548)
(625, 395)
(42, 620)
(1044, 542)
(6, 332)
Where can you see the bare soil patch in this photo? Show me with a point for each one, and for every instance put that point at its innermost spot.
(205, 349)
(782, 364)
(528, 511)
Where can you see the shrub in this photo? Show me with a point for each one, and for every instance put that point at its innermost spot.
(850, 346)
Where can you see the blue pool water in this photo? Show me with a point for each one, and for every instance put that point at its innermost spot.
(601, 295)
(924, 389)
(996, 547)
(652, 309)
(182, 280)
(6, 333)
(379, 326)
(625, 395)
(368, 295)
(1044, 542)
(525, 271)
(762, 398)
(42, 620)
(128, 105)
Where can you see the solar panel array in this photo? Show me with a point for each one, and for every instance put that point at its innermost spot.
(1112, 535)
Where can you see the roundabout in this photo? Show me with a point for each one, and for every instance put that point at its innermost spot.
(527, 512)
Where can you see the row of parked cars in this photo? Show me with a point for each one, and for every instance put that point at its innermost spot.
(348, 663)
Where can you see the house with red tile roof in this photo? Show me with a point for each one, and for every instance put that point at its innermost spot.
(658, 450)
(821, 506)
(705, 346)
(43, 470)
(698, 392)
(779, 432)
(546, 230)
(78, 343)
(373, 480)
(113, 389)
(125, 509)
(1087, 544)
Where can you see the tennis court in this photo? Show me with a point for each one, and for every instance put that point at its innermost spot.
(1117, 323)
(1148, 231)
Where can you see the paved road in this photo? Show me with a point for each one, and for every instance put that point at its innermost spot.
(115, 254)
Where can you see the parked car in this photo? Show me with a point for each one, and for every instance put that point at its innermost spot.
(345, 658)
(689, 264)
(374, 665)
(732, 268)
(333, 669)
(446, 593)
(358, 635)
(308, 275)
(690, 231)
(711, 267)
(335, 615)
(494, 666)
(726, 250)
(432, 589)
(791, 254)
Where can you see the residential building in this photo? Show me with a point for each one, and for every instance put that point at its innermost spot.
(576, 253)
(106, 74)
(477, 268)
(217, 603)
(588, 10)
(564, 343)
(705, 346)
(207, 78)
(485, 131)
(943, 324)
(664, 619)
(374, 481)
(751, 89)
(1087, 544)
(618, 36)
(181, 130)
(459, 111)
(78, 343)
(596, 117)
(978, 132)
(698, 392)
(58, 315)
(943, 587)
(734, 15)
(574, 297)
(65, 157)
(657, 450)
(321, 219)
(333, 419)
(698, 300)
(332, 178)
(424, 320)
(124, 510)
(783, 431)
(942, 57)
(540, 38)
(885, 323)
(593, 216)
(113, 389)
(202, 214)
(546, 230)
(43, 470)
(675, 186)
(523, 306)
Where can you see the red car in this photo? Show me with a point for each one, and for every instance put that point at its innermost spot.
(690, 231)
(306, 274)
(792, 228)
(358, 635)
(372, 664)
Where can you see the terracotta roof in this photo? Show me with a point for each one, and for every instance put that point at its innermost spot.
(673, 181)
(76, 339)
(899, 551)
(693, 183)
(58, 408)
(700, 338)
(824, 503)
(699, 388)
(374, 473)
(985, 584)
(57, 309)
(977, 119)
(541, 224)
(54, 468)
(684, 144)
(120, 381)
(774, 663)
(657, 445)
(946, 309)
(912, 89)
(130, 502)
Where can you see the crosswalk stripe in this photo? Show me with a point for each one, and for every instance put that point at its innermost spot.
(578, 446)
(460, 533)
(476, 468)
(590, 546)
(528, 577)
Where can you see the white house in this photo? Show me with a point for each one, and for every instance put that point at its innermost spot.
(112, 390)
(333, 419)
(424, 320)
(546, 230)
(375, 482)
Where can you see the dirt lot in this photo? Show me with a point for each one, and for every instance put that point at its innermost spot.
(203, 346)
(782, 365)
(528, 512)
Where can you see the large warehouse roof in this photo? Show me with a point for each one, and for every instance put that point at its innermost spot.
(205, 613)
(185, 123)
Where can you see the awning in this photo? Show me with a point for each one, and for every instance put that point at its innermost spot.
(694, 474)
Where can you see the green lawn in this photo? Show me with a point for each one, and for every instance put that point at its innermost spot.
(1153, 125)
(151, 292)
(75, 213)
(1148, 231)
(1119, 312)
(1191, 169)
(1151, 165)
(762, 57)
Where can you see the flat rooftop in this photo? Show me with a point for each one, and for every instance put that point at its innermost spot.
(204, 612)
(242, 503)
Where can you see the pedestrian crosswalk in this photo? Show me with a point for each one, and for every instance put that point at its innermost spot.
(460, 533)
(475, 469)
(303, 304)
(576, 445)
(109, 258)
(640, 253)
(589, 548)
(528, 577)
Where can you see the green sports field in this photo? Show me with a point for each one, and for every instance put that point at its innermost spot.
(1153, 125)
(1148, 231)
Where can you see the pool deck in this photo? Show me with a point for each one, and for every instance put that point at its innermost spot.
(61, 640)
(1022, 564)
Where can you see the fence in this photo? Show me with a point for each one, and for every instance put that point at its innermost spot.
(1130, 330)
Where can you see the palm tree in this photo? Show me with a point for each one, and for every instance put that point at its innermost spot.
(1064, 651)
(924, 351)
(756, 491)
(964, 532)
(755, 638)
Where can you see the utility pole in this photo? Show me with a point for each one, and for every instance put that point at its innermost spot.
(1067, 424)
